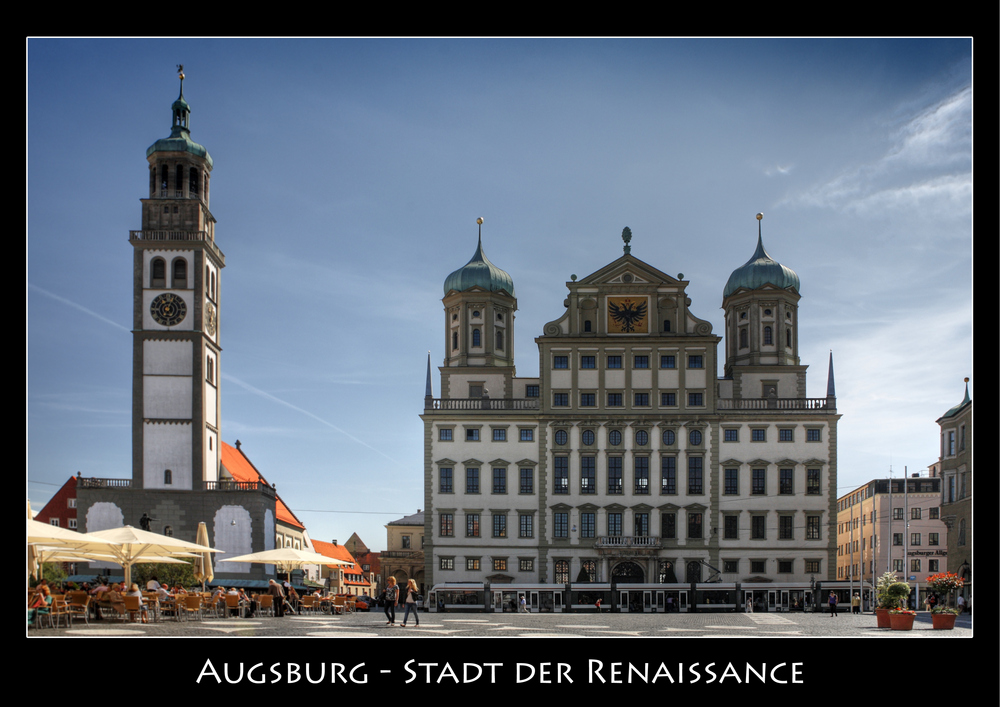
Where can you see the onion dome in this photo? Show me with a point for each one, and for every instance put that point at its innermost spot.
(761, 270)
(479, 272)
(180, 133)
(967, 400)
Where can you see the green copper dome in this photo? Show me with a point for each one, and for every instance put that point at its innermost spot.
(180, 134)
(954, 411)
(479, 272)
(761, 270)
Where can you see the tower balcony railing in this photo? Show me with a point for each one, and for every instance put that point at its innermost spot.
(201, 236)
(491, 404)
(89, 482)
(828, 404)
(233, 485)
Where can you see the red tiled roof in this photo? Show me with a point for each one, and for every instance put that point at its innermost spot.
(339, 552)
(242, 469)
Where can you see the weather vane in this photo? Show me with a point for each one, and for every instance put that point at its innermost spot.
(627, 236)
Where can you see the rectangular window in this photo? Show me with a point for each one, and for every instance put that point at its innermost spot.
(785, 566)
(526, 526)
(446, 480)
(615, 524)
(732, 482)
(932, 566)
(933, 538)
(694, 525)
(812, 566)
(500, 435)
(641, 361)
(758, 435)
(472, 525)
(730, 566)
(668, 399)
(731, 527)
(447, 525)
(588, 400)
(897, 539)
(472, 435)
(668, 361)
(527, 565)
(588, 476)
(531, 391)
(472, 480)
(731, 435)
(642, 400)
(695, 476)
(758, 566)
(560, 525)
(758, 529)
(759, 486)
(668, 526)
(499, 480)
(914, 565)
(812, 482)
(641, 475)
(812, 435)
(447, 563)
(640, 525)
(527, 480)
(444, 435)
(588, 525)
(813, 528)
(934, 513)
(499, 525)
(560, 361)
(527, 435)
(897, 565)
(499, 565)
(560, 400)
(914, 514)
(785, 477)
(696, 400)
(614, 475)
(71, 522)
(695, 362)
(668, 475)
(614, 361)
(897, 514)
(785, 528)
(588, 362)
(914, 539)
(614, 400)
(786, 435)
(472, 564)
(561, 475)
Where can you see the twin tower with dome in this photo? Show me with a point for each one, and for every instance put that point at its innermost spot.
(628, 461)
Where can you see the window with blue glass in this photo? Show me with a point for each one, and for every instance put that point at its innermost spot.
(758, 482)
(499, 480)
(588, 437)
(560, 400)
(642, 400)
(614, 475)
(641, 475)
(695, 475)
(560, 525)
(588, 525)
(641, 361)
(561, 437)
(669, 437)
(588, 400)
(446, 480)
(561, 474)
(588, 362)
(668, 400)
(472, 480)
(499, 525)
(668, 361)
(588, 475)
(527, 480)
(614, 400)
(668, 475)
(695, 362)
(785, 481)
(531, 391)
(696, 400)
(445, 435)
(614, 361)
(560, 361)
(731, 486)
(615, 524)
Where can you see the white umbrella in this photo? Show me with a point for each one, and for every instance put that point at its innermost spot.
(54, 536)
(138, 546)
(287, 557)
(203, 564)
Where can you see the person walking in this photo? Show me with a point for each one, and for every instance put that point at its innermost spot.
(391, 599)
(856, 604)
(410, 602)
(524, 605)
(833, 604)
(278, 593)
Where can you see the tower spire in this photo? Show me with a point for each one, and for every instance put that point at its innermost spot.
(831, 390)
(428, 388)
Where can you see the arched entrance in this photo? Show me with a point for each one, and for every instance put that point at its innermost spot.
(628, 573)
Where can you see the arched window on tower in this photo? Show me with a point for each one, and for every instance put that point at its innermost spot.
(158, 273)
(788, 337)
(168, 477)
(193, 182)
(179, 275)
(213, 286)
(666, 325)
(767, 336)
(587, 325)
(499, 339)
(454, 340)
(179, 180)
(743, 338)
(476, 338)
(163, 180)
(152, 181)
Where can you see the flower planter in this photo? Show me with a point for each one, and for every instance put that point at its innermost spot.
(944, 622)
(882, 616)
(901, 622)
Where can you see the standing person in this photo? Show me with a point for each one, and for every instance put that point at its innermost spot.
(961, 604)
(524, 605)
(856, 604)
(279, 598)
(391, 596)
(833, 604)
(598, 604)
(749, 608)
(410, 601)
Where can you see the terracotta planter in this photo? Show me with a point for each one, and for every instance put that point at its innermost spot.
(901, 622)
(882, 616)
(944, 622)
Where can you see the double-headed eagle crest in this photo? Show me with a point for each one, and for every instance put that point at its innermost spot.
(627, 314)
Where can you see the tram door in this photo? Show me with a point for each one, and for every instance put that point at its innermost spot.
(647, 601)
(772, 600)
(533, 601)
(660, 602)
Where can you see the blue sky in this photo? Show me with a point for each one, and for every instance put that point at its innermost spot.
(348, 177)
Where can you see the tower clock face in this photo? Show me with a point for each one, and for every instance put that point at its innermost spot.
(168, 309)
(211, 319)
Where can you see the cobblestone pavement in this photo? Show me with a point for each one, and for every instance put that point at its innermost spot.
(446, 625)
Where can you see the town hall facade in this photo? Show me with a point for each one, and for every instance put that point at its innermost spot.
(628, 459)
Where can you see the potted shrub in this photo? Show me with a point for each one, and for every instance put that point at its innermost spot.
(900, 618)
(882, 597)
(944, 584)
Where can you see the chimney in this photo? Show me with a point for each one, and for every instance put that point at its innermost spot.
(334, 541)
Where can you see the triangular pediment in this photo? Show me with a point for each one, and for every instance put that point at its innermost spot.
(629, 270)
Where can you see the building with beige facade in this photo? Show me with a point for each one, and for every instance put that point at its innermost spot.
(956, 485)
(628, 459)
(403, 557)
